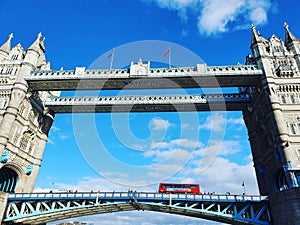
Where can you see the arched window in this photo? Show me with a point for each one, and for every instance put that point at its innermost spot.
(277, 48)
(31, 146)
(293, 100)
(21, 110)
(31, 116)
(24, 140)
(292, 128)
(283, 99)
(16, 137)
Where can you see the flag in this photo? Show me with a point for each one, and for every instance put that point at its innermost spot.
(166, 52)
(111, 57)
(110, 54)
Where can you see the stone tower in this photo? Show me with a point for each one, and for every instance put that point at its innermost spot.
(273, 120)
(24, 122)
(273, 123)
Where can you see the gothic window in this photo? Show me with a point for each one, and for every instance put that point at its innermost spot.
(283, 63)
(292, 129)
(9, 70)
(293, 100)
(1, 70)
(4, 103)
(283, 99)
(277, 48)
(21, 110)
(31, 116)
(24, 140)
(16, 137)
(14, 57)
(31, 146)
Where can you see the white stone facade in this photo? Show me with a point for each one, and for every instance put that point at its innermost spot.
(22, 116)
(273, 121)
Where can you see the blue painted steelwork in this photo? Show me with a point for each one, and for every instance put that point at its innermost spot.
(29, 169)
(8, 179)
(38, 208)
(5, 156)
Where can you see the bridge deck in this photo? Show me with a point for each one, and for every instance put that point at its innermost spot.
(38, 208)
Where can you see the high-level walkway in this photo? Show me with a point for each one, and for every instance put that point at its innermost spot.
(200, 76)
(186, 77)
(40, 208)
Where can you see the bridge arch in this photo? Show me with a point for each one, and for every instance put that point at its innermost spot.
(9, 177)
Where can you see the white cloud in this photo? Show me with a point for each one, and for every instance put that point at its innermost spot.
(50, 141)
(224, 148)
(55, 128)
(258, 11)
(258, 15)
(218, 16)
(186, 143)
(64, 136)
(181, 6)
(178, 150)
(160, 124)
(215, 123)
(218, 122)
(235, 121)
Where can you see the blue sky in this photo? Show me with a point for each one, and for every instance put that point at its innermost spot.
(78, 32)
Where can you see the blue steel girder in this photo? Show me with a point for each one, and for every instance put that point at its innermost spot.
(40, 208)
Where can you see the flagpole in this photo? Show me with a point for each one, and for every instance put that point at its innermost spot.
(169, 57)
(111, 59)
(244, 188)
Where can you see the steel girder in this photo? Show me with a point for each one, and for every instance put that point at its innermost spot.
(40, 208)
(151, 103)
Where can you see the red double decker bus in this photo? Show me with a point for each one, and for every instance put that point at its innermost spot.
(179, 188)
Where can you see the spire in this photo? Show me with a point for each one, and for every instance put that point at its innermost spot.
(36, 45)
(6, 46)
(255, 35)
(42, 44)
(289, 37)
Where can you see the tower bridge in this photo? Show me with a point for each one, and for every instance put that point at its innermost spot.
(268, 96)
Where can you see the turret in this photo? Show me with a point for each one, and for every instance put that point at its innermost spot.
(258, 43)
(33, 53)
(292, 44)
(5, 48)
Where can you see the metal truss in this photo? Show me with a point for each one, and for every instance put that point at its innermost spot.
(150, 103)
(40, 208)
